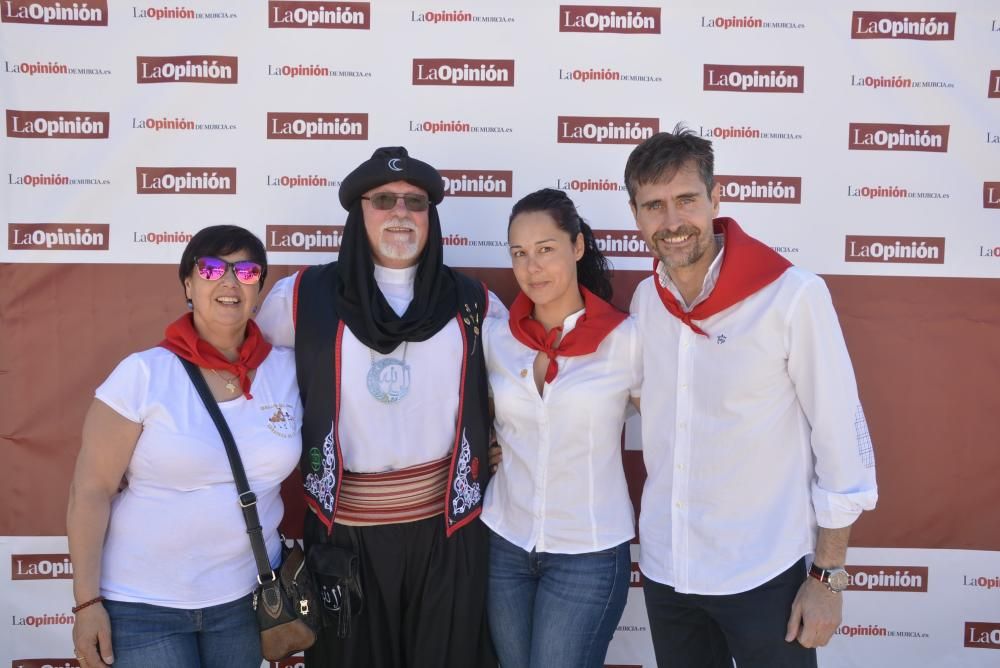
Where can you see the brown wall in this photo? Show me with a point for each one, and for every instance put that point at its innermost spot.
(926, 352)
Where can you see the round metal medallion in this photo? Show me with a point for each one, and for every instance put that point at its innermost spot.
(389, 380)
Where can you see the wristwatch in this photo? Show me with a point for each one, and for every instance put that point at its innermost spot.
(836, 579)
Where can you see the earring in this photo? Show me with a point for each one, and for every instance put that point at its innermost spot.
(254, 309)
(190, 305)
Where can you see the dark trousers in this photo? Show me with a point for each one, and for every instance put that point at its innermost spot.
(424, 597)
(699, 631)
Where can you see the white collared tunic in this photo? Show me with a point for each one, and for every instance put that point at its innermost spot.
(376, 436)
(561, 487)
(751, 435)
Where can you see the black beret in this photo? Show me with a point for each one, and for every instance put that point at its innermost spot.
(388, 164)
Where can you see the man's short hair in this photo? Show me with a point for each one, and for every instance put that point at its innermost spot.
(662, 155)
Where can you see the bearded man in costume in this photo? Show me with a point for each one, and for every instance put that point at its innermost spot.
(753, 435)
(396, 428)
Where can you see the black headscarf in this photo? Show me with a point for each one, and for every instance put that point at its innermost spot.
(359, 301)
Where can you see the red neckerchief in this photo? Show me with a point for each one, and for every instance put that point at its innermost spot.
(182, 339)
(747, 266)
(597, 321)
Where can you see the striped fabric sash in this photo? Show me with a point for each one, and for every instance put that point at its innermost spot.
(405, 495)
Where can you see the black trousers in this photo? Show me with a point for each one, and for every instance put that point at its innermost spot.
(424, 597)
(699, 631)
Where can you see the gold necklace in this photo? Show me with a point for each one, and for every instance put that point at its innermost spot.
(230, 382)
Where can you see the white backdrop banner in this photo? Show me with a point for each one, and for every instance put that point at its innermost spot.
(848, 138)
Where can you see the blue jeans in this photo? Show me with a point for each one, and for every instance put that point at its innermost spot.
(152, 636)
(552, 610)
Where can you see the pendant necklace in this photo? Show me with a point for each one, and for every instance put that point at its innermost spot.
(230, 382)
(389, 378)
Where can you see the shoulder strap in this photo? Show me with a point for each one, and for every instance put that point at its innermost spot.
(247, 499)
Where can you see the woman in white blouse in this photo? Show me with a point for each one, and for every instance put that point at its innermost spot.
(562, 372)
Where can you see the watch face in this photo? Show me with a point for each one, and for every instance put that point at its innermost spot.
(839, 580)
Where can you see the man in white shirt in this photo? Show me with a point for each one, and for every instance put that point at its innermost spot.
(395, 430)
(756, 447)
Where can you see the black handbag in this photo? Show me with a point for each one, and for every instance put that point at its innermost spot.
(286, 602)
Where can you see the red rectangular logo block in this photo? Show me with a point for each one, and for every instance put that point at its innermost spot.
(982, 635)
(462, 72)
(609, 19)
(605, 129)
(898, 137)
(931, 26)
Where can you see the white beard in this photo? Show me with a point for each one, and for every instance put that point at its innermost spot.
(398, 250)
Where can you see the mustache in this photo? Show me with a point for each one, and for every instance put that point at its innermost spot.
(399, 222)
(682, 231)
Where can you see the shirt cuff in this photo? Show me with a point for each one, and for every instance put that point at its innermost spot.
(838, 510)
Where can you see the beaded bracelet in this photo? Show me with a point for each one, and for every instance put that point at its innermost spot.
(83, 605)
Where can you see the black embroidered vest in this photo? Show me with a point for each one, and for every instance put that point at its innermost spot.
(318, 336)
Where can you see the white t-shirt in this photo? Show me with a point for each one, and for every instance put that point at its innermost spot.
(376, 436)
(176, 535)
(561, 486)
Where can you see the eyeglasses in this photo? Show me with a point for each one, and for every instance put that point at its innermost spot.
(386, 201)
(212, 269)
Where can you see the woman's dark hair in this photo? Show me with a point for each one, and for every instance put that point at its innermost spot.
(592, 270)
(222, 240)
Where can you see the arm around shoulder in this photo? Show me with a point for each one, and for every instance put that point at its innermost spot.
(635, 357)
(495, 307)
(276, 317)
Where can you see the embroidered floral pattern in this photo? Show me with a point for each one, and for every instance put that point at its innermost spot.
(467, 492)
(321, 485)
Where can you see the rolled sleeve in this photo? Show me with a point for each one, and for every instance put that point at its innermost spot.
(820, 367)
(837, 510)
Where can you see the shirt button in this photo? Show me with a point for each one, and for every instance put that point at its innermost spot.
(524, 373)
(680, 467)
(684, 386)
(684, 425)
(678, 504)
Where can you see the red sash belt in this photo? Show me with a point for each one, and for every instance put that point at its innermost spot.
(405, 495)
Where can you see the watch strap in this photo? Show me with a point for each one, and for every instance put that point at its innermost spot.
(823, 575)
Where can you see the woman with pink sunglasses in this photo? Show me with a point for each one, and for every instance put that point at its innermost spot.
(163, 569)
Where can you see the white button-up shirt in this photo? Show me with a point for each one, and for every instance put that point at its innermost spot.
(561, 487)
(751, 436)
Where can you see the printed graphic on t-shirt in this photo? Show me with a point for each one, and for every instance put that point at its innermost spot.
(281, 421)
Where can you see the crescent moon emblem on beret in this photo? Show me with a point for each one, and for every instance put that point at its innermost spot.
(394, 165)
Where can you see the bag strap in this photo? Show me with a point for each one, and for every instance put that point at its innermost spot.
(247, 499)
